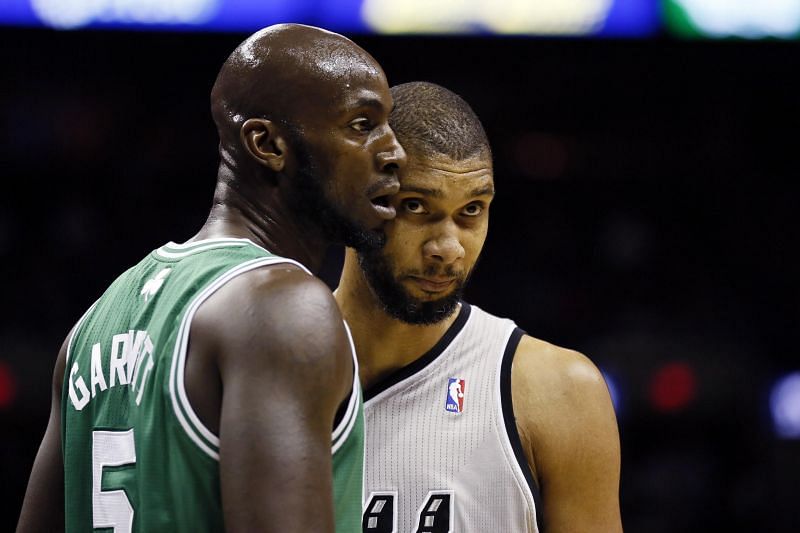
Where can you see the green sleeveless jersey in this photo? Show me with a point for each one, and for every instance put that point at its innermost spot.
(136, 456)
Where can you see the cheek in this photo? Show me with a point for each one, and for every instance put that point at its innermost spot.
(473, 244)
(403, 241)
(341, 185)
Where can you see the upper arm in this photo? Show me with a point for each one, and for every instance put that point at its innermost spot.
(285, 365)
(568, 427)
(43, 506)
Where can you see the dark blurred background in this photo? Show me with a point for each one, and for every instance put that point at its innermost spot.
(647, 195)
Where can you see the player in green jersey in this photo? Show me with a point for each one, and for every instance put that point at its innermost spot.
(213, 385)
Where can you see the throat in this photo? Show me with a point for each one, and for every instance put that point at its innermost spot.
(385, 345)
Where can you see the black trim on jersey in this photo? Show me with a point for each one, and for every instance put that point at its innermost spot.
(426, 359)
(511, 423)
(342, 410)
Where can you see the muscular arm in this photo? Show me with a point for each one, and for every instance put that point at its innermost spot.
(569, 433)
(43, 507)
(285, 365)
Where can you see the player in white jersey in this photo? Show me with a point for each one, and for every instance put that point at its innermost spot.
(472, 425)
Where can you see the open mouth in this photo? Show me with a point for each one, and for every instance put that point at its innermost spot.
(381, 201)
(382, 207)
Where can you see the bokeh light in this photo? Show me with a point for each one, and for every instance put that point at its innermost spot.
(8, 386)
(613, 391)
(673, 387)
(784, 405)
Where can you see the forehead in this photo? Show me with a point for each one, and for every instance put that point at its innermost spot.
(443, 177)
(341, 66)
(340, 91)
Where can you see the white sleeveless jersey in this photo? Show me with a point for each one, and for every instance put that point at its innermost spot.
(443, 451)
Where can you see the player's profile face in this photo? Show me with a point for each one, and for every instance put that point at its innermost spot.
(347, 149)
(436, 239)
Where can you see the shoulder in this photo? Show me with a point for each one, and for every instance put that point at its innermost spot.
(559, 397)
(556, 373)
(280, 293)
(563, 410)
(278, 309)
(568, 431)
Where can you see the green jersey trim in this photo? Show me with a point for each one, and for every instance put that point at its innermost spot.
(190, 422)
(345, 427)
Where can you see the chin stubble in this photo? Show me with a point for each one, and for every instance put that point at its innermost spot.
(395, 299)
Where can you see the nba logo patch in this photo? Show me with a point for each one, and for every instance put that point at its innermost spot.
(455, 395)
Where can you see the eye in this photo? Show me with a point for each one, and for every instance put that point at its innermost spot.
(472, 210)
(414, 206)
(361, 125)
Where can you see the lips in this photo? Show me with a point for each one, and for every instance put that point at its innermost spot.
(433, 284)
(381, 206)
(379, 195)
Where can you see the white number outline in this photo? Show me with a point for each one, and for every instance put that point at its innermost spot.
(392, 495)
(111, 508)
(425, 503)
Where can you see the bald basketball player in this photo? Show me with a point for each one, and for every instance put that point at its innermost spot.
(213, 385)
(472, 425)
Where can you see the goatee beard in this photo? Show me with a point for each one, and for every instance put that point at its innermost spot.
(395, 299)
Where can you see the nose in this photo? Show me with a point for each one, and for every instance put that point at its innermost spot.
(392, 156)
(444, 247)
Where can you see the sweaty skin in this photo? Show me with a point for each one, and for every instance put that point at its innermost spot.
(563, 411)
(269, 362)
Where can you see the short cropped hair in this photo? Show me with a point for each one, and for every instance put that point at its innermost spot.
(429, 120)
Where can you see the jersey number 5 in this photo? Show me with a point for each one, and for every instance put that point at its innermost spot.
(435, 515)
(111, 508)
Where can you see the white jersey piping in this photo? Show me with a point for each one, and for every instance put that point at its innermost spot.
(348, 421)
(193, 427)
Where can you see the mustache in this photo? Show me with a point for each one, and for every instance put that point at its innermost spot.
(436, 271)
(386, 182)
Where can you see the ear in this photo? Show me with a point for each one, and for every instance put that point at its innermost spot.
(263, 141)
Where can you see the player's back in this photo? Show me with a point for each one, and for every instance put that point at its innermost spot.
(136, 456)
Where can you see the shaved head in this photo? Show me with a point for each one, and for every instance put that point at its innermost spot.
(303, 121)
(275, 71)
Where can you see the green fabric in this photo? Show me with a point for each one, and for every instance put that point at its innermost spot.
(121, 398)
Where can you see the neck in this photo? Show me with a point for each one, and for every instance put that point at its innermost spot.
(261, 215)
(384, 344)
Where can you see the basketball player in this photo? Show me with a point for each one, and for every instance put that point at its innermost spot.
(472, 425)
(213, 386)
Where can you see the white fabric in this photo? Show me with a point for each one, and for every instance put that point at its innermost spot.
(415, 446)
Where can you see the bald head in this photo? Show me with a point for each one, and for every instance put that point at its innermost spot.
(278, 70)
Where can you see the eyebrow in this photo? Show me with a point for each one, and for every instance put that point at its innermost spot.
(436, 193)
(486, 190)
(369, 101)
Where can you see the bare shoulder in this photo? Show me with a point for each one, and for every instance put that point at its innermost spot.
(278, 311)
(558, 393)
(545, 372)
(279, 344)
(569, 434)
